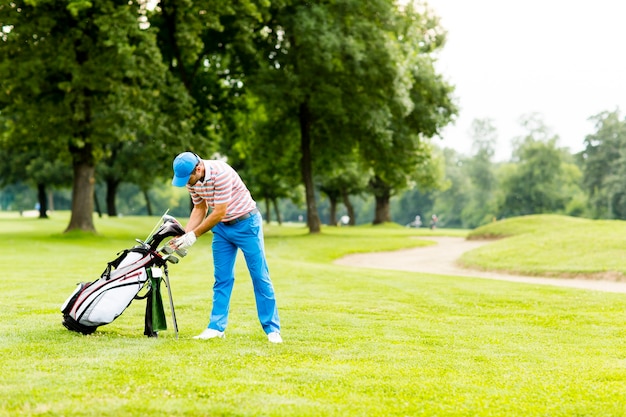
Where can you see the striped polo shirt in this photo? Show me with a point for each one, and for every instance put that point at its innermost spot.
(222, 184)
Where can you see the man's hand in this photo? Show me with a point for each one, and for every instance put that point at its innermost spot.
(184, 241)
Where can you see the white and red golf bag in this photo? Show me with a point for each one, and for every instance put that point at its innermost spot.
(93, 304)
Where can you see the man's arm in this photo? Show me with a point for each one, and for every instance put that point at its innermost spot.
(199, 224)
(198, 213)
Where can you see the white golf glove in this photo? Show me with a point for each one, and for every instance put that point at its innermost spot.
(184, 241)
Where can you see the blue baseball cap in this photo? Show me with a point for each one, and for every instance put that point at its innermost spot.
(183, 165)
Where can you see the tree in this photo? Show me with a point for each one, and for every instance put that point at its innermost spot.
(207, 45)
(258, 145)
(23, 161)
(82, 72)
(482, 206)
(310, 56)
(341, 178)
(453, 195)
(536, 185)
(142, 158)
(340, 69)
(419, 107)
(603, 160)
(411, 203)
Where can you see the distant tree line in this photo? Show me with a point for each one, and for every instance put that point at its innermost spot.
(540, 177)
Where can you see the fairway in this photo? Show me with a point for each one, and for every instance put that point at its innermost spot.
(358, 342)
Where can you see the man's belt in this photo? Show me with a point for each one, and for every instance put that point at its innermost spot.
(241, 218)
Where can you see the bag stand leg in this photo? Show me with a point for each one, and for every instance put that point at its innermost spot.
(169, 293)
(155, 315)
(148, 330)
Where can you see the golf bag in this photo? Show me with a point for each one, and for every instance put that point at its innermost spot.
(96, 303)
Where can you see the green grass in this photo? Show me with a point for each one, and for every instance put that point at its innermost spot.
(552, 245)
(357, 342)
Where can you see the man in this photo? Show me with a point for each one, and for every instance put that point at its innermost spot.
(236, 224)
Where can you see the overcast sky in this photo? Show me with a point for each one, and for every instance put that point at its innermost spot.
(563, 59)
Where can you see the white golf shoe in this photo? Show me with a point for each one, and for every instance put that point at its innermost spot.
(274, 337)
(210, 334)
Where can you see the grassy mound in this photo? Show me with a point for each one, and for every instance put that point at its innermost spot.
(552, 245)
(526, 224)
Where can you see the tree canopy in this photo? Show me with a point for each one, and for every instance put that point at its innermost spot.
(355, 75)
(78, 77)
(117, 90)
(604, 162)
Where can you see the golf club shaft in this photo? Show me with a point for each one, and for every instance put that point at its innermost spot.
(156, 226)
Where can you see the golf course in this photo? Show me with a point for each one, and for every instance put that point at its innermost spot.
(357, 341)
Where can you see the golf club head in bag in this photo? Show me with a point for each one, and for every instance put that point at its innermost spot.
(170, 227)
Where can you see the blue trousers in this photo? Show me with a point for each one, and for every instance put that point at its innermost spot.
(246, 235)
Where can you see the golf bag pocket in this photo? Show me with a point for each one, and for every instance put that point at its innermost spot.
(72, 298)
(109, 300)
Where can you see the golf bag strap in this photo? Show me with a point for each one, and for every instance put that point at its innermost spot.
(114, 264)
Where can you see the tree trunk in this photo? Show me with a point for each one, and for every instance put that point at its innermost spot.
(332, 215)
(42, 198)
(268, 212)
(382, 194)
(112, 185)
(349, 208)
(306, 165)
(82, 191)
(382, 213)
(84, 167)
(148, 203)
(279, 219)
